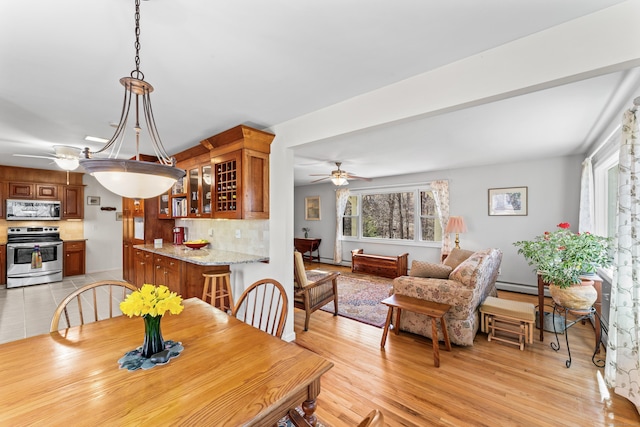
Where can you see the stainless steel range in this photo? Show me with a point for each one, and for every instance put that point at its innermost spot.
(34, 256)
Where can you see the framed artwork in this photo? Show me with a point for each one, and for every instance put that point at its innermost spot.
(93, 200)
(508, 201)
(312, 208)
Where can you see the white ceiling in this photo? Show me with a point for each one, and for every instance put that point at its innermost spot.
(218, 64)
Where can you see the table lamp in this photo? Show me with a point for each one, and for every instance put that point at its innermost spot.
(456, 225)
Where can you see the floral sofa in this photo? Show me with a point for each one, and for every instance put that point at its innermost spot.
(465, 289)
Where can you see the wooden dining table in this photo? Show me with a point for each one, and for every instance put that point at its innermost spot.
(229, 374)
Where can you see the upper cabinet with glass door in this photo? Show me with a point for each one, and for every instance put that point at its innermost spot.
(195, 201)
(227, 177)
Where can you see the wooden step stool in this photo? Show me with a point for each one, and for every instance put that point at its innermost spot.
(509, 317)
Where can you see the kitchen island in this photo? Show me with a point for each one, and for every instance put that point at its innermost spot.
(181, 268)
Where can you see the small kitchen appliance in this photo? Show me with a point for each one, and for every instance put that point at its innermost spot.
(179, 235)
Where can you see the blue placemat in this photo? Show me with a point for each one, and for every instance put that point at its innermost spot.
(133, 359)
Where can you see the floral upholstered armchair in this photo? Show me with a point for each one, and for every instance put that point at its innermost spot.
(463, 285)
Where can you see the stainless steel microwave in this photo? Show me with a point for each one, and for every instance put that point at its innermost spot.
(40, 210)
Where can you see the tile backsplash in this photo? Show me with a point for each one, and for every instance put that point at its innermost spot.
(69, 229)
(246, 236)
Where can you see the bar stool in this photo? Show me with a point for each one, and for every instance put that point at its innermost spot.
(217, 287)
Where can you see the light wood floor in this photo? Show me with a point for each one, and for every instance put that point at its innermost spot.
(488, 384)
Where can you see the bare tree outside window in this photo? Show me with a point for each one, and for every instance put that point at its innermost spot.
(388, 216)
(350, 219)
(392, 216)
(429, 222)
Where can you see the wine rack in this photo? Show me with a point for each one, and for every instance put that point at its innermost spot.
(227, 186)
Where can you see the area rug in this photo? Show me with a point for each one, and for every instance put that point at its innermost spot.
(359, 297)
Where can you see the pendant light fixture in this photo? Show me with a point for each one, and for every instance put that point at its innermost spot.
(134, 179)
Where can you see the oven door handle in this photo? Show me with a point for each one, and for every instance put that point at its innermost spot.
(32, 245)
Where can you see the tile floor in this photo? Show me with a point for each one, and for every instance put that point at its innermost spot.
(27, 311)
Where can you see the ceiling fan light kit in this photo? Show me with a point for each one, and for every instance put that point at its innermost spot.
(339, 177)
(64, 156)
(134, 179)
(67, 157)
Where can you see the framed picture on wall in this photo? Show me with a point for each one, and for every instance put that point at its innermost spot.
(312, 208)
(508, 201)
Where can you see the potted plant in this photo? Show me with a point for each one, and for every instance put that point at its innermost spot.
(561, 257)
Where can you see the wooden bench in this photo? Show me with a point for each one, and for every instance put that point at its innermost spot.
(434, 310)
(379, 265)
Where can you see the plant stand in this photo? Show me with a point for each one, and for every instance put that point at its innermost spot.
(582, 315)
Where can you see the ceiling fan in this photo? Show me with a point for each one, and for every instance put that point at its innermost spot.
(64, 156)
(339, 177)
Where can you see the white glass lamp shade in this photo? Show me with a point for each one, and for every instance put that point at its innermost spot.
(67, 164)
(339, 181)
(132, 178)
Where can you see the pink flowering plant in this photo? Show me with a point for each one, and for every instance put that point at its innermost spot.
(562, 256)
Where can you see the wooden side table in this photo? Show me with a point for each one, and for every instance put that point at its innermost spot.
(308, 245)
(432, 309)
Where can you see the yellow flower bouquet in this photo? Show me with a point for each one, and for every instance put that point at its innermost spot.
(152, 303)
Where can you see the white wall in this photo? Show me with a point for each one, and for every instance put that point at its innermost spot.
(102, 231)
(553, 196)
(589, 46)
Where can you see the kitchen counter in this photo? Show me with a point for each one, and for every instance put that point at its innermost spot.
(204, 256)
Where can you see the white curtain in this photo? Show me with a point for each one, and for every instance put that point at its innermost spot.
(585, 220)
(622, 370)
(342, 196)
(441, 192)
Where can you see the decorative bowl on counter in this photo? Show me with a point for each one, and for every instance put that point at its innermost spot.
(196, 244)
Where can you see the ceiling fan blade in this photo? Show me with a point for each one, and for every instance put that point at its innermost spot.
(321, 179)
(318, 174)
(349, 176)
(34, 156)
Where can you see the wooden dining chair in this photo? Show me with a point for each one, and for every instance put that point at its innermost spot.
(264, 306)
(93, 294)
(311, 295)
(373, 419)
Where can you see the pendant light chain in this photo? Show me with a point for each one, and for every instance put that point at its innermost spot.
(135, 179)
(137, 74)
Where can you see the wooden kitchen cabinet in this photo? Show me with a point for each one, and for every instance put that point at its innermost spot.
(144, 269)
(72, 202)
(141, 225)
(184, 278)
(32, 190)
(74, 253)
(168, 272)
(191, 197)
(176, 203)
(71, 196)
(240, 167)
(200, 183)
(128, 262)
(40, 184)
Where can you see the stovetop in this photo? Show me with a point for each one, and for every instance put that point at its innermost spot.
(33, 234)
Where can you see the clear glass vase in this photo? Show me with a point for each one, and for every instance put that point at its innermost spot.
(153, 342)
